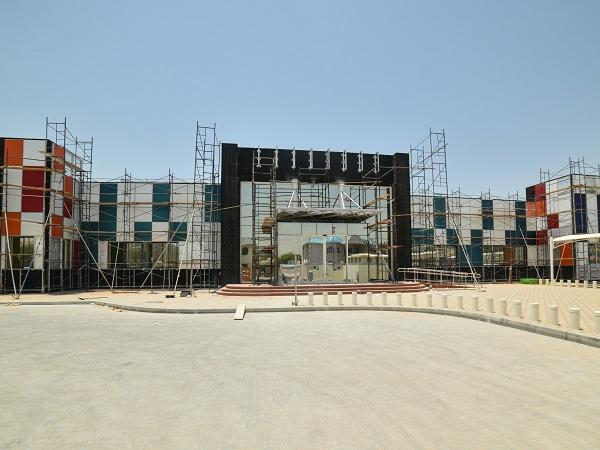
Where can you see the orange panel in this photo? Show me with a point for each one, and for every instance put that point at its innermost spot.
(59, 164)
(14, 223)
(509, 255)
(530, 209)
(13, 152)
(566, 255)
(68, 185)
(540, 207)
(57, 226)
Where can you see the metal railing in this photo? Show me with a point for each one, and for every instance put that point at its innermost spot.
(442, 277)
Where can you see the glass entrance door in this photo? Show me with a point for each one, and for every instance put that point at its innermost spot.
(325, 259)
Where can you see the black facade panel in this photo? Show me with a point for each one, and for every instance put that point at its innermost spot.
(401, 212)
(233, 163)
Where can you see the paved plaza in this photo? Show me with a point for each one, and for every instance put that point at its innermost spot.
(90, 377)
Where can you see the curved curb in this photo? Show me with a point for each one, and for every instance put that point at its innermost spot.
(532, 327)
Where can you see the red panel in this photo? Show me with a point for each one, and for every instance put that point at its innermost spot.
(540, 190)
(57, 226)
(59, 162)
(68, 207)
(552, 221)
(75, 255)
(68, 185)
(541, 237)
(32, 198)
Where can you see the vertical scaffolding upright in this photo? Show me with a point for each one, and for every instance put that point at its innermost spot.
(380, 231)
(264, 226)
(73, 158)
(203, 235)
(430, 199)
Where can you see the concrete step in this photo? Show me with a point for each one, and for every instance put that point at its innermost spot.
(266, 290)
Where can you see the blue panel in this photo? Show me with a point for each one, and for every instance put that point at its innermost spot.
(178, 231)
(422, 236)
(476, 255)
(451, 237)
(520, 208)
(142, 231)
(161, 193)
(580, 213)
(487, 222)
(487, 211)
(160, 213)
(108, 213)
(212, 197)
(439, 204)
(108, 192)
(477, 237)
(462, 259)
(439, 221)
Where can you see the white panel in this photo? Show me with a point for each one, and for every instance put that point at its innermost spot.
(179, 213)
(103, 254)
(531, 255)
(32, 224)
(14, 180)
(38, 256)
(141, 213)
(94, 213)
(33, 152)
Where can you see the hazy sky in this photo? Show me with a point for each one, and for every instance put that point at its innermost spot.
(516, 85)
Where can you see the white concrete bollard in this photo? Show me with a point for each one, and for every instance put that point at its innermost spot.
(369, 298)
(415, 303)
(568, 283)
(340, 298)
(311, 299)
(594, 285)
(518, 311)
(575, 318)
(547, 282)
(399, 298)
(384, 298)
(502, 306)
(475, 303)
(553, 315)
(553, 283)
(430, 300)
(585, 284)
(459, 302)
(355, 298)
(561, 282)
(444, 300)
(597, 319)
(325, 298)
(489, 305)
(540, 282)
(534, 312)
(576, 283)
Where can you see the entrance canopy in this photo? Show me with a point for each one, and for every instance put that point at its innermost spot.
(340, 215)
(562, 240)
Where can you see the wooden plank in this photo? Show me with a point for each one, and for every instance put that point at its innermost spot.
(240, 312)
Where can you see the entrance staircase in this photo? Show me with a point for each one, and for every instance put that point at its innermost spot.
(252, 290)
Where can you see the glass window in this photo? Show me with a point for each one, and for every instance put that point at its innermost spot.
(21, 249)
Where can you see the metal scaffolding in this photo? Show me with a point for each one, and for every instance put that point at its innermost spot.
(204, 229)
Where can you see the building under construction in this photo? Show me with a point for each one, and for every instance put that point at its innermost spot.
(271, 216)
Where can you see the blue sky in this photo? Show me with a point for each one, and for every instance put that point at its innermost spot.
(516, 84)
